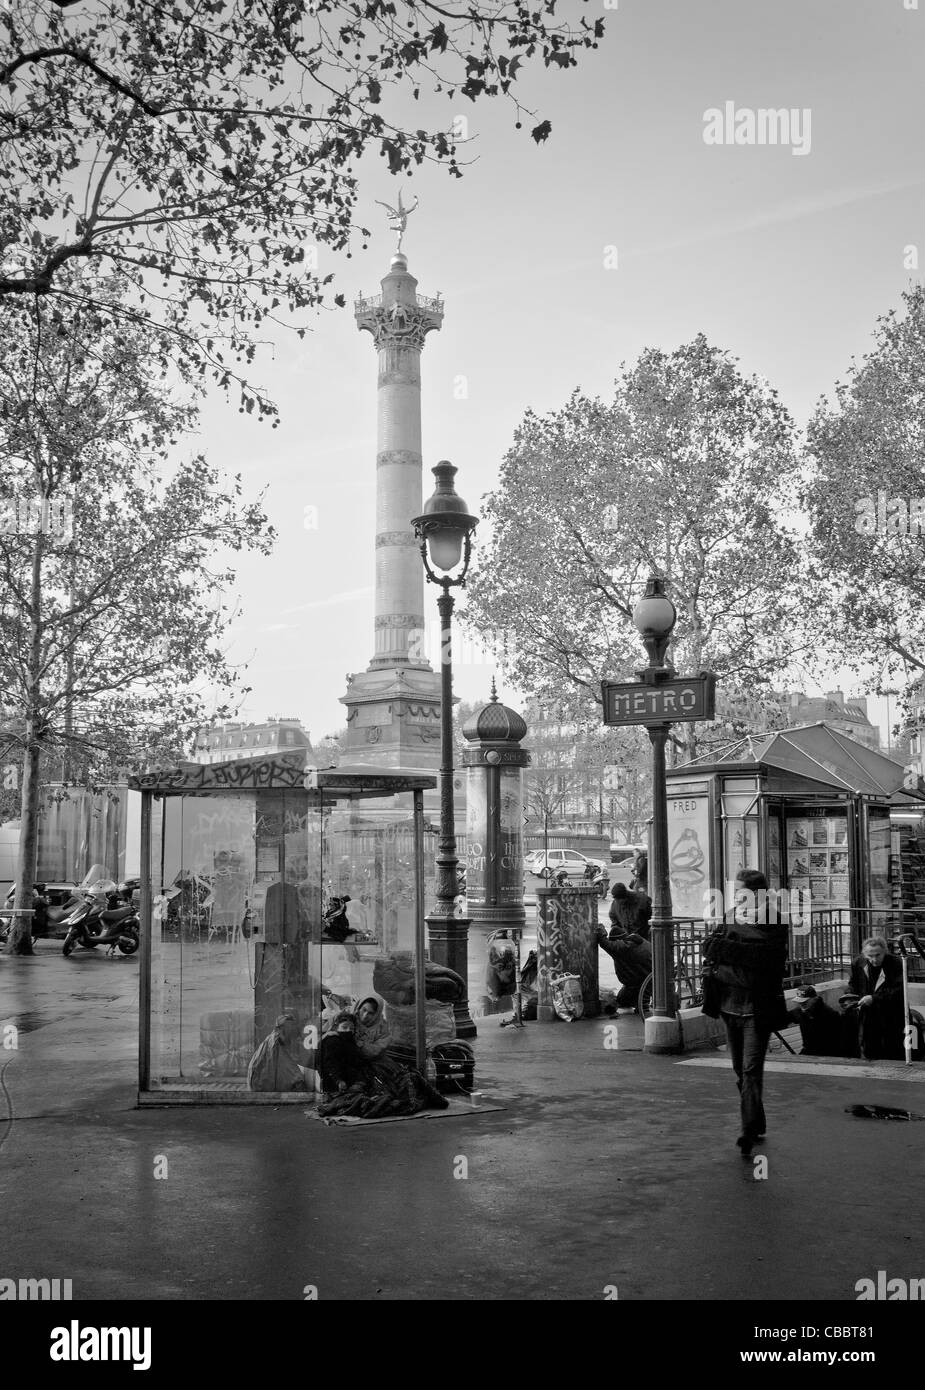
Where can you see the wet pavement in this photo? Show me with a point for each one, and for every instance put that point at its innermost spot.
(607, 1169)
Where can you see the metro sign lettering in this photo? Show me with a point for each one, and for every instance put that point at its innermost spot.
(666, 703)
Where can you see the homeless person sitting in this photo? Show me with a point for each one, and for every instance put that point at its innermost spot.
(632, 960)
(870, 1022)
(369, 1084)
(339, 1058)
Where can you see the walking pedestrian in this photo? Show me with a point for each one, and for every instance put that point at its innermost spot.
(744, 962)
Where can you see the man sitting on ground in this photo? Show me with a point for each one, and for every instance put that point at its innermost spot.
(869, 1023)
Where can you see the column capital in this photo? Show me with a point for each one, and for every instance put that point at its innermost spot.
(399, 325)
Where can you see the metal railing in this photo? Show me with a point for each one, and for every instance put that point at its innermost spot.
(363, 304)
(824, 952)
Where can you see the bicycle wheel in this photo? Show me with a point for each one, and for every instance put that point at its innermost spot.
(644, 1002)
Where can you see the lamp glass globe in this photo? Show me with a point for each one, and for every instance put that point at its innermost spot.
(654, 616)
(445, 549)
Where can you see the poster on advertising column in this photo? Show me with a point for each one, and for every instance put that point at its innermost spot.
(688, 853)
(476, 828)
(511, 875)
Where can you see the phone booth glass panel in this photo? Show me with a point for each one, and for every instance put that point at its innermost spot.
(266, 911)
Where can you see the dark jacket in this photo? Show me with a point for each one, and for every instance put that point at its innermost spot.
(339, 1059)
(282, 915)
(749, 957)
(631, 956)
(890, 981)
(631, 913)
(337, 925)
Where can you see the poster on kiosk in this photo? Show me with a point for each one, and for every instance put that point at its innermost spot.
(688, 853)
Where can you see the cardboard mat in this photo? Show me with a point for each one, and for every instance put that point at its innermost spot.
(458, 1106)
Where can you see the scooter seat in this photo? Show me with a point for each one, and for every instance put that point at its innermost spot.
(117, 914)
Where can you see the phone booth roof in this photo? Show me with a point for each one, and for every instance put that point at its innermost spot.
(289, 772)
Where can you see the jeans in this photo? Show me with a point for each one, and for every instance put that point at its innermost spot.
(748, 1043)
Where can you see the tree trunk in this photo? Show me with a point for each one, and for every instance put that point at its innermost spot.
(19, 941)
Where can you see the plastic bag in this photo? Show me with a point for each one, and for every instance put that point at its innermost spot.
(567, 999)
(439, 1023)
(272, 1068)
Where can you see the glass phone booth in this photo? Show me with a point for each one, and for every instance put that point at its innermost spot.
(273, 891)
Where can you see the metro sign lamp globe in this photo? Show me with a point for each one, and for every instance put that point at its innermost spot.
(654, 617)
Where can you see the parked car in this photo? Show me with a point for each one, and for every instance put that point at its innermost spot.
(572, 861)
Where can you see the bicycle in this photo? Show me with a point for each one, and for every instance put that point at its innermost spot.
(686, 994)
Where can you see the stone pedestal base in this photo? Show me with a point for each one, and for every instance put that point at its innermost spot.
(449, 946)
(662, 1035)
(393, 719)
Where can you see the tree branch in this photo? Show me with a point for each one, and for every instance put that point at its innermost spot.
(40, 55)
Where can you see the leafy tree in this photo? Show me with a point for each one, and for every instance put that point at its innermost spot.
(866, 503)
(553, 778)
(113, 559)
(204, 149)
(617, 768)
(689, 473)
(329, 751)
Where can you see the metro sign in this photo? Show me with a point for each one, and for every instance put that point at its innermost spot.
(668, 702)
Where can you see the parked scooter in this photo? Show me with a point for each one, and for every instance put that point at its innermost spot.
(50, 907)
(599, 879)
(106, 916)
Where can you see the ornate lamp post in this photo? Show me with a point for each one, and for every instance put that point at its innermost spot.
(655, 616)
(445, 532)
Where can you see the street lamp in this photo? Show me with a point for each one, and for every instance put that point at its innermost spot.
(445, 532)
(654, 616)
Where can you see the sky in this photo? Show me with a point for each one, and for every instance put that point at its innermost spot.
(784, 255)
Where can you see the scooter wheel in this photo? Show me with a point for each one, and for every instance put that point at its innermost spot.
(128, 945)
(67, 948)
